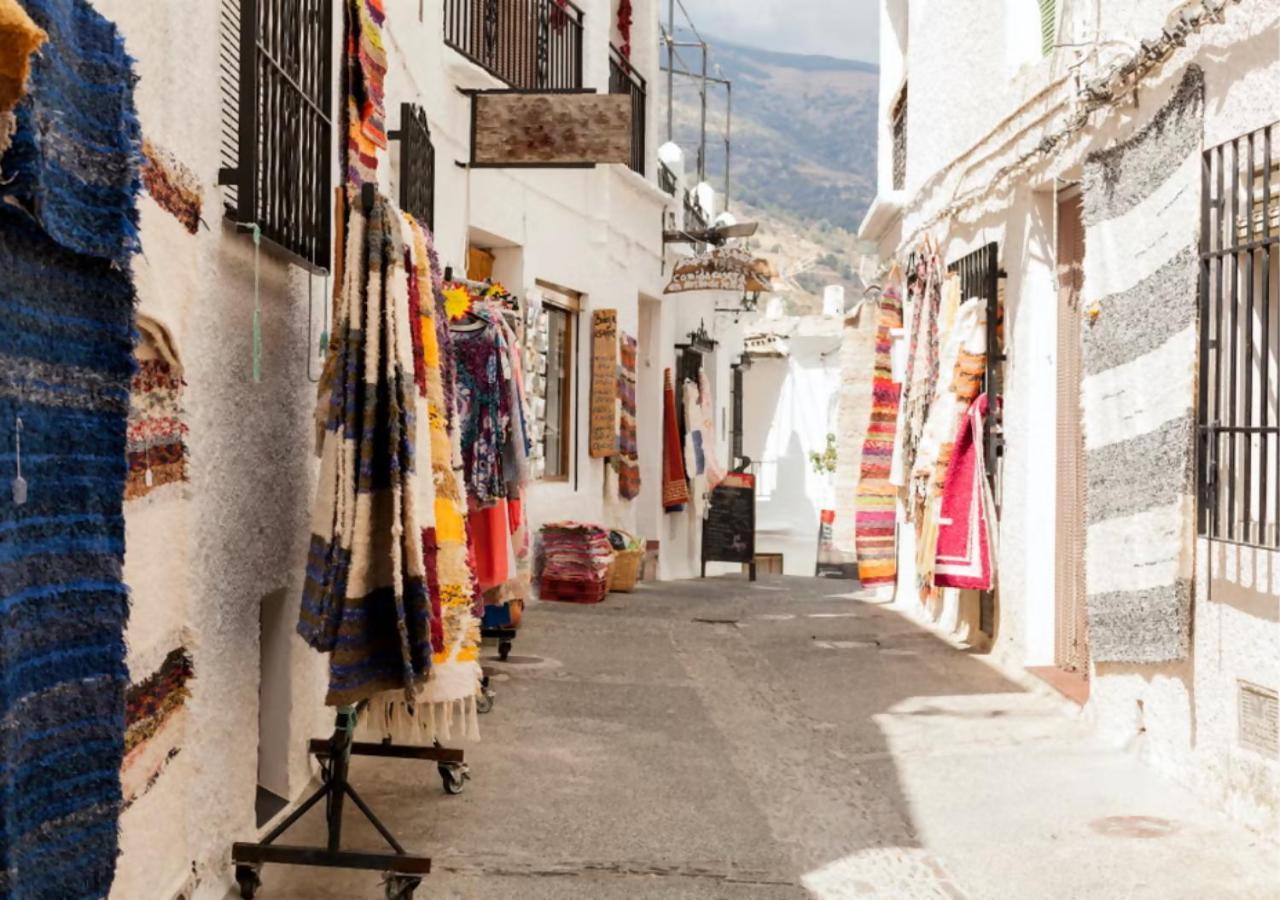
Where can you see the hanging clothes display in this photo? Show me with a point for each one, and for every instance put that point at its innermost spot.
(877, 497)
(68, 230)
(922, 362)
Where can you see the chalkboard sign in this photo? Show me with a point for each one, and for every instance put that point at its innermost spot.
(729, 529)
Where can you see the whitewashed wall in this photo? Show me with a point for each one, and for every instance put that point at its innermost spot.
(229, 548)
(979, 103)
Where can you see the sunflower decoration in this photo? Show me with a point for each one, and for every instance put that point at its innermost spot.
(457, 301)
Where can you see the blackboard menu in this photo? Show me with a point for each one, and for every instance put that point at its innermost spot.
(729, 529)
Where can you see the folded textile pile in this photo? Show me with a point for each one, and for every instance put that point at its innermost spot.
(573, 551)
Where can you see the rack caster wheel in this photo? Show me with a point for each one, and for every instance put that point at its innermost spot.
(484, 702)
(504, 650)
(401, 887)
(247, 878)
(454, 776)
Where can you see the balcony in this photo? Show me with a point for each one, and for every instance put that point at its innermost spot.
(624, 79)
(530, 44)
(666, 179)
(694, 218)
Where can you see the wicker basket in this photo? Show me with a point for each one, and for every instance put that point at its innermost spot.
(624, 572)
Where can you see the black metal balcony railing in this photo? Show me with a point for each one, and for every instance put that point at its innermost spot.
(666, 178)
(529, 44)
(694, 218)
(624, 79)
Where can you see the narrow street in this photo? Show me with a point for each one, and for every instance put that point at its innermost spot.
(782, 740)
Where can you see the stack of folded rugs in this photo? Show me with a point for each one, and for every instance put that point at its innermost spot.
(576, 560)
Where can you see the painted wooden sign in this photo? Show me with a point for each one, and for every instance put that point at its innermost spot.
(517, 129)
(603, 437)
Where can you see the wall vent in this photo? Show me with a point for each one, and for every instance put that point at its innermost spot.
(1259, 720)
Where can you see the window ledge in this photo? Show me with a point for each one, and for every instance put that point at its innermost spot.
(884, 209)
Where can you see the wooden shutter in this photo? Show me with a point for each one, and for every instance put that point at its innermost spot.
(1048, 25)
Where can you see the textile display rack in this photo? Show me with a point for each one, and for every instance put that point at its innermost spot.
(404, 870)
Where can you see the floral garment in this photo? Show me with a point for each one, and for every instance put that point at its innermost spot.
(484, 409)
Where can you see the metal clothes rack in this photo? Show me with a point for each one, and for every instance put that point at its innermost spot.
(404, 871)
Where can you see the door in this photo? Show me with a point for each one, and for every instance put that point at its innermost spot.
(1071, 628)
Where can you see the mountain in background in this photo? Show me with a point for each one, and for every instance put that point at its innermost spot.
(803, 157)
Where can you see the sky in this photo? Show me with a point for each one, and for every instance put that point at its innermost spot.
(843, 28)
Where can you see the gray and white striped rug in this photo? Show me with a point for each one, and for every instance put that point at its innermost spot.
(1141, 216)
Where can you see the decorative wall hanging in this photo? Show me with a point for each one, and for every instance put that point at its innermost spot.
(877, 497)
(67, 348)
(172, 185)
(366, 70)
(157, 428)
(675, 487)
(624, 27)
(155, 723)
(1141, 204)
(628, 461)
(603, 434)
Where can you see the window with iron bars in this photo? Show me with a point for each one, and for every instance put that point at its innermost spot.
(898, 125)
(417, 164)
(1239, 416)
(277, 142)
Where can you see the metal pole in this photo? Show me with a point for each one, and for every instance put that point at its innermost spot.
(728, 133)
(671, 66)
(702, 141)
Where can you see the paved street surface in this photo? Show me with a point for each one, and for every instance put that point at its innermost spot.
(782, 740)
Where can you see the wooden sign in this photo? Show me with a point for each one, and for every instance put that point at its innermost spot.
(603, 435)
(729, 529)
(512, 129)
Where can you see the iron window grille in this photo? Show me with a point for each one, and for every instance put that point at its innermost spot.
(624, 79)
(279, 149)
(980, 276)
(417, 164)
(529, 44)
(1238, 416)
(898, 127)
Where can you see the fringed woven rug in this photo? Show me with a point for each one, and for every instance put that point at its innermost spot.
(365, 600)
(1141, 215)
(877, 497)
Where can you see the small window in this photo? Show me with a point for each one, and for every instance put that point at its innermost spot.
(1048, 25)
(898, 125)
(279, 142)
(561, 308)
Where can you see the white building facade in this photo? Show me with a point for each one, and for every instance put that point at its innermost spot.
(994, 127)
(215, 562)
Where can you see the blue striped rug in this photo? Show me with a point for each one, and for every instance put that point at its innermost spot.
(66, 357)
(65, 362)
